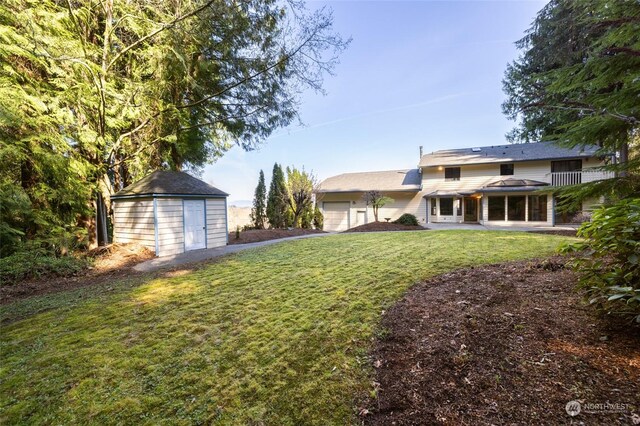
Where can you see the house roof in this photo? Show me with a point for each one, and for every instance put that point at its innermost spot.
(511, 189)
(503, 185)
(505, 153)
(386, 181)
(165, 183)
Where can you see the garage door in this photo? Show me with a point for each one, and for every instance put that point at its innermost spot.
(336, 216)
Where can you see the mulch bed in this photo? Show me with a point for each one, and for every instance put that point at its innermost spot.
(111, 262)
(502, 344)
(385, 226)
(256, 235)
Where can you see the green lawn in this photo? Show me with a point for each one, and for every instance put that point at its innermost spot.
(277, 335)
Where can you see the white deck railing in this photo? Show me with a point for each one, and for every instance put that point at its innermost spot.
(574, 178)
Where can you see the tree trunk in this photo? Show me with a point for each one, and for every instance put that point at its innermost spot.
(624, 158)
(101, 221)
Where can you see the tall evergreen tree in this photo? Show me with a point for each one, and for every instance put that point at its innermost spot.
(258, 212)
(92, 98)
(576, 83)
(277, 199)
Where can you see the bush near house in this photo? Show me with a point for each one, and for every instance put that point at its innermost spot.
(609, 258)
(318, 218)
(407, 219)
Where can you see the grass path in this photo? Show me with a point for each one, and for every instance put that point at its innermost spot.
(276, 335)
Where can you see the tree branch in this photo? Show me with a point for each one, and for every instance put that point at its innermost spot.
(252, 76)
(159, 30)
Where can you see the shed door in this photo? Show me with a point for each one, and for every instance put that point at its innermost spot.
(194, 225)
(336, 216)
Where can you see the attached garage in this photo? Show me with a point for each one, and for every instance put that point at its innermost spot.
(336, 216)
(170, 213)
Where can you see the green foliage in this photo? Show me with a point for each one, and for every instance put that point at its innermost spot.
(15, 214)
(608, 260)
(238, 232)
(93, 98)
(318, 218)
(277, 204)
(258, 212)
(407, 219)
(576, 79)
(36, 263)
(300, 187)
(576, 82)
(274, 335)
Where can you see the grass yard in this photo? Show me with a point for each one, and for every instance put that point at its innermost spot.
(276, 335)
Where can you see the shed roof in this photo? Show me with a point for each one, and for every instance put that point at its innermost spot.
(388, 181)
(165, 183)
(506, 153)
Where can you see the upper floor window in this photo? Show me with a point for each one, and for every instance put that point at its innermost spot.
(452, 173)
(566, 166)
(506, 169)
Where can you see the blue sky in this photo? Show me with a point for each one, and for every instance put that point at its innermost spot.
(416, 73)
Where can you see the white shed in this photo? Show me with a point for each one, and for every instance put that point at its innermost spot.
(170, 213)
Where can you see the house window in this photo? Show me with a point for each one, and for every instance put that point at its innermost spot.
(496, 208)
(516, 207)
(446, 206)
(537, 208)
(506, 169)
(452, 173)
(566, 166)
(434, 207)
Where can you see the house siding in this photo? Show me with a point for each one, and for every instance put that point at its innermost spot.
(216, 222)
(133, 222)
(478, 175)
(403, 202)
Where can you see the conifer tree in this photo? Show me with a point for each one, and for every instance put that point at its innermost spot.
(258, 212)
(277, 199)
(576, 83)
(95, 97)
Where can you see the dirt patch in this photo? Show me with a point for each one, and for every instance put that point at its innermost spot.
(257, 235)
(110, 262)
(385, 226)
(502, 344)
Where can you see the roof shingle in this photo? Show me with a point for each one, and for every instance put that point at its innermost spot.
(168, 183)
(505, 153)
(388, 181)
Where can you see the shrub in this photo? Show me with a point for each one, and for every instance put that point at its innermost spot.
(407, 219)
(608, 260)
(34, 263)
(318, 219)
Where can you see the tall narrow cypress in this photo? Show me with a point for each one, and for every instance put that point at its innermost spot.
(258, 213)
(277, 199)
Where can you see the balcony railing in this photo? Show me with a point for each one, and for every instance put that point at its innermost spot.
(574, 178)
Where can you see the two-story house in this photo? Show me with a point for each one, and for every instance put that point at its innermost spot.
(497, 185)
